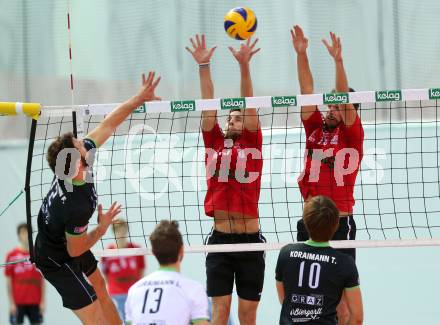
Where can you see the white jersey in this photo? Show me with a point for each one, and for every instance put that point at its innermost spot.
(165, 297)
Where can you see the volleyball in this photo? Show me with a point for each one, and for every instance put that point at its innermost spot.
(240, 23)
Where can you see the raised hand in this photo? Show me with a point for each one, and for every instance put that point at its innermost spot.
(335, 50)
(199, 51)
(246, 51)
(149, 85)
(299, 41)
(105, 219)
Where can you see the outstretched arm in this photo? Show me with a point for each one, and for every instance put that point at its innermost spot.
(244, 56)
(202, 56)
(106, 128)
(348, 112)
(79, 244)
(300, 44)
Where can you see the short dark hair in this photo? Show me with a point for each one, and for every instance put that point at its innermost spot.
(21, 226)
(166, 242)
(61, 142)
(233, 110)
(321, 218)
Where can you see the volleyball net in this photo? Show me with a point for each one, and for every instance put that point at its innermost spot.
(154, 165)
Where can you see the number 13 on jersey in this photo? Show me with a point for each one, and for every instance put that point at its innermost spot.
(152, 301)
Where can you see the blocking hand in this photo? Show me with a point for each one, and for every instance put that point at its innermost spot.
(299, 41)
(200, 53)
(335, 49)
(246, 51)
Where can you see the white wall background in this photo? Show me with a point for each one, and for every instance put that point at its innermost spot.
(387, 44)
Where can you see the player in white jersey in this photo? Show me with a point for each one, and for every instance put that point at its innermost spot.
(165, 297)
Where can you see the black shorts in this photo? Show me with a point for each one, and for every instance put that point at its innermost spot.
(70, 278)
(32, 312)
(346, 231)
(246, 267)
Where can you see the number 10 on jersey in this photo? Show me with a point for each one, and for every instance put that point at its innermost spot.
(314, 273)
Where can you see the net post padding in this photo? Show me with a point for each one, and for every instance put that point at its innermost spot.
(29, 109)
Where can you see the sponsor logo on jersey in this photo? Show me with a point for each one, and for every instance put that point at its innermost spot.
(311, 300)
(306, 314)
(434, 93)
(335, 98)
(230, 103)
(283, 101)
(388, 95)
(183, 105)
(80, 230)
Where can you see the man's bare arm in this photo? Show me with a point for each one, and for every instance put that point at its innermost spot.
(353, 298)
(12, 306)
(243, 56)
(43, 297)
(79, 244)
(106, 128)
(348, 112)
(209, 118)
(305, 78)
(280, 291)
(202, 56)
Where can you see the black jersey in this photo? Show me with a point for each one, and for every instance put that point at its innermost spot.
(314, 276)
(64, 211)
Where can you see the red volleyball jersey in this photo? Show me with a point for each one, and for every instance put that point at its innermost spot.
(26, 279)
(233, 171)
(122, 271)
(332, 161)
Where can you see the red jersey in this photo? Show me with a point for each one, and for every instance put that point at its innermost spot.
(26, 279)
(122, 271)
(332, 161)
(233, 172)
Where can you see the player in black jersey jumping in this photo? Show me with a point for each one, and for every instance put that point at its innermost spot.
(312, 277)
(62, 247)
